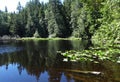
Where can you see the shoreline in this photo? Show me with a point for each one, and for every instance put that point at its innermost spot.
(33, 38)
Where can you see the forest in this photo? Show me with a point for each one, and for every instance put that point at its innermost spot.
(97, 20)
(60, 41)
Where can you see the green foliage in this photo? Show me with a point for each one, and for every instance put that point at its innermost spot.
(36, 35)
(94, 55)
(109, 31)
(84, 17)
(4, 23)
(57, 23)
(98, 20)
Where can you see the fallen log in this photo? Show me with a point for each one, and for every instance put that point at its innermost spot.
(97, 73)
(85, 72)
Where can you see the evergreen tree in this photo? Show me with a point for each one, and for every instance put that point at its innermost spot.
(42, 29)
(84, 18)
(50, 21)
(31, 21)
(30, 29)
(12, 24)
(56, 22)
(19, 7)
(36, 19)
(66, 12)
(79, 18)
(4, 26)
(75, 14)
(20, 22)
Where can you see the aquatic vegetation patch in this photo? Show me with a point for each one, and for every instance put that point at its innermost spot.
(94, 54)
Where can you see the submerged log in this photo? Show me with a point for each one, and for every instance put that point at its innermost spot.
(85, 72)
(96, 73)
(80, 78)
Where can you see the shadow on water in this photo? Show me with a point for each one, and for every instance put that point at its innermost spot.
(38, 61)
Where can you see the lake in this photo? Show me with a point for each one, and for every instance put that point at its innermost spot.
(38, 61)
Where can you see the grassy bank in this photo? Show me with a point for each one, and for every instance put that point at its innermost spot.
(32, 38)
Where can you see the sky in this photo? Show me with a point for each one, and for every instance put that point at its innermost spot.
(12, 4)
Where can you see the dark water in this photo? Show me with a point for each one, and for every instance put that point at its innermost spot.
(37, 61)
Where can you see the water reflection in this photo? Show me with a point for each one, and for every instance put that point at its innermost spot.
(40, 62)
(9, 49)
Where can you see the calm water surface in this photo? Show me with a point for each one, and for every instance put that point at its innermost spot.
(37, 61)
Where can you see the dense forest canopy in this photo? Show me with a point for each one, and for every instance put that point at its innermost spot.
(87, 19)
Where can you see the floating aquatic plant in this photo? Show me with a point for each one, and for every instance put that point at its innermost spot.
(92, 54)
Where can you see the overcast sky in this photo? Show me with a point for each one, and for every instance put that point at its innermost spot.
(12, 4)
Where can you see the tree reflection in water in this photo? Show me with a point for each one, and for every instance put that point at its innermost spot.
(40, 57)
